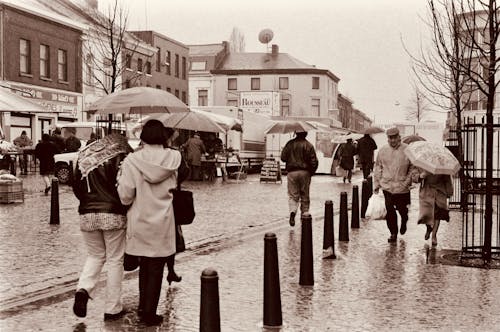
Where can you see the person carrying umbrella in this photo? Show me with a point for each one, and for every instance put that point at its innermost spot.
(301, 163)
(392, 174)
(347, 152)
(366, 147)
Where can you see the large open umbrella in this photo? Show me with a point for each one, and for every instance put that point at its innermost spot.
(138, 100)
(227, 122)
(189, 121)
(372, 130)
(10, 102)
(432, 157)
(289, 126)
(412, 138)
(344, 138)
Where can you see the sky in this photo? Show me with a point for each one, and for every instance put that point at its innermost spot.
(361, 41)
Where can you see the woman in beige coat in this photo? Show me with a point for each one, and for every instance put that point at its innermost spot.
(146, 178)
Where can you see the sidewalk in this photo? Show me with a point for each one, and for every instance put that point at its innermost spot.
(372, 285)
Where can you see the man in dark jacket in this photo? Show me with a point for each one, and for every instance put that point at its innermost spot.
(301, 163)
(366, 147)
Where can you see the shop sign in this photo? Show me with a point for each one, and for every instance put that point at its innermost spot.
(265, 103)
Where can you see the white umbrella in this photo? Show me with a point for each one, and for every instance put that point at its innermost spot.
(10, 102)
(138, 100)
(432, 157)
(189, 121)
(289, 126)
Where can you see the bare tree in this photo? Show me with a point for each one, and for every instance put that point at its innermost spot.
(418, 106)
(236, 41)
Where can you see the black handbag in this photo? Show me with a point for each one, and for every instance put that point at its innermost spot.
(183, 206)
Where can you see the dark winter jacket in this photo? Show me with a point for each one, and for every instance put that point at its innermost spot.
(347, 153)
(97, 192)
(299, 154)
(45, 152)
(366, 146)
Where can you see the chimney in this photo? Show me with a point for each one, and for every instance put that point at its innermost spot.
(275, 49)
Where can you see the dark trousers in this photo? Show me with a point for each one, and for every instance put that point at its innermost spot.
(150, 281)
(395, 202)
(366, 171)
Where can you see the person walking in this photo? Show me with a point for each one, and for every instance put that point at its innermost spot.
(145, 182)
(45, 152)
(347, 152)
(366, 147)
(434, 191)
(194, 148)
(72, 143)
(102, 222)
(301, 163)
(392, 174)
(22, 142)
(58, 140)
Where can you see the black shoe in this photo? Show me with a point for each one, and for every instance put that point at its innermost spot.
(403, 228)
(344, 180)
(173, 277)
(80, 305)
(292, 219)
(47, 189)
(428, 232)
(151, 320)
(392, 238)
(114, 316)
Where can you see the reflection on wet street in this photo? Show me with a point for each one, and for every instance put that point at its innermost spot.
(371, 286)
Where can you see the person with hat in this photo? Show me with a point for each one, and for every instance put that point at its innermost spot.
(347, 152)
(194, 149)
(366, 147)
(392, 174)
(301, 163)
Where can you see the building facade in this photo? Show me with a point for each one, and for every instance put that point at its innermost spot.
(167, 69)
(40, 60)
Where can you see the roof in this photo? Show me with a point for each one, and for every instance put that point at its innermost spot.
(207, 49)
(267, 63)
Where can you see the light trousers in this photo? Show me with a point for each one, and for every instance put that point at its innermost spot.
(104, 247)
(298, 190)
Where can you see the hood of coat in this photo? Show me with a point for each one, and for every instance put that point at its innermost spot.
(155, 163)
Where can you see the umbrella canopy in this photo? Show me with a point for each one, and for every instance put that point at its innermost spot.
(289, 126)
(412, 138)
(10, 102)
(189, 121)
(225, 121)
(138, 100)
(344, 138)
(373, 130)
(432, 157)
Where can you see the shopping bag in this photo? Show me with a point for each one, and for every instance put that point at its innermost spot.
(376, 207)
(183, 206)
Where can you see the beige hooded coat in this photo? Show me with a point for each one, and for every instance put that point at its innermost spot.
(144, 182)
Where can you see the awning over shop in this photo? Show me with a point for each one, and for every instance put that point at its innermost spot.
(10, 102)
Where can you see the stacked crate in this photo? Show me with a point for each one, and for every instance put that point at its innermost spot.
(11, 192)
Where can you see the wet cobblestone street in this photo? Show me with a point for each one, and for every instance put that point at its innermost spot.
(371, 286)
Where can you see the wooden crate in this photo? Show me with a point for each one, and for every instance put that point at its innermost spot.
(11, 192)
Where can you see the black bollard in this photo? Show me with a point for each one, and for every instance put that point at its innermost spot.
(54, 203)
(355, 207)
(365, 196)
(306, 252)
(328, 232)
(343, 218)
(272, 295)
(209, 307)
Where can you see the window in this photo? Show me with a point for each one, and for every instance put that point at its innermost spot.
(184, 97)
(24, 56)
(232, 102)
(158, 59)
(169, 90)
(177, 93)
(315, 107)
(148, 67)
(89, 65)
(285, 106)
(315, 82)
(158, 86)
(44, 61)
(177, 65)
(255, 83)
(198, 65)
(127, 84)
(184, 68)
(167, 63)
(62, 65)
(283, 83)
(232, 84)
(202, 97)
(128, 61)
(139, 65)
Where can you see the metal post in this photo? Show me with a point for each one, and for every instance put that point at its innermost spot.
(54, 202)
(343, 218)
(355, 208)
(272, 293)
(328, 232)
(306, 252)
(209, 307)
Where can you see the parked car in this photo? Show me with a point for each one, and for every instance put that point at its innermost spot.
(65, 162)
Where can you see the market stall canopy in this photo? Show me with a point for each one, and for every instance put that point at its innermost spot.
(288, 126)
(189, 121)
(11, 102)
(372, 130)
(138, 100)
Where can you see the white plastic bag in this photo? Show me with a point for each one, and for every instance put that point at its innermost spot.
(376, 207)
